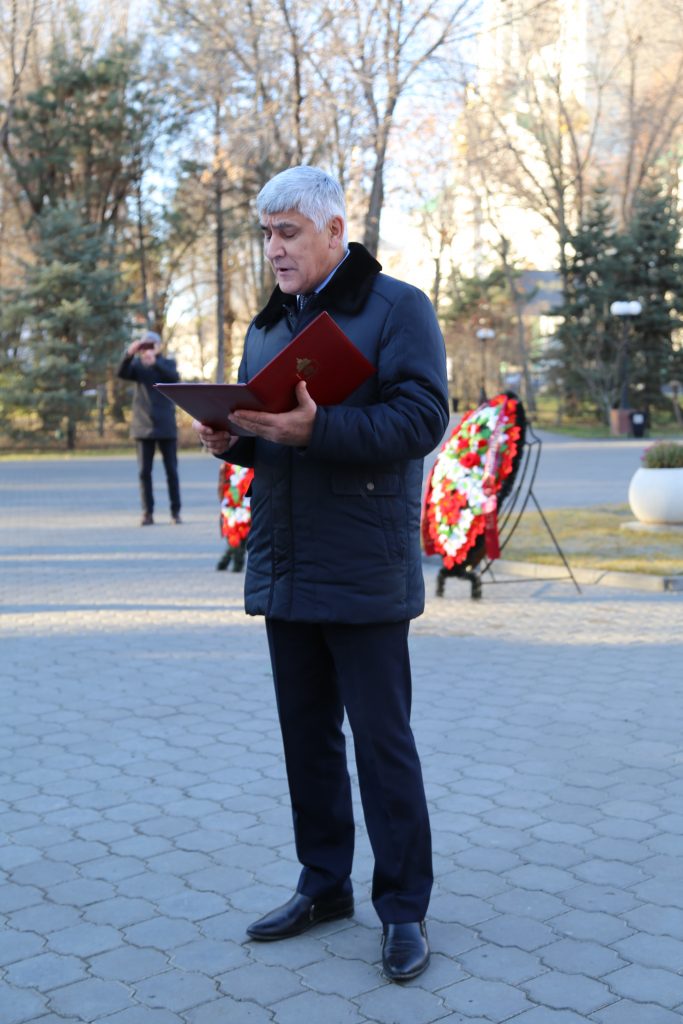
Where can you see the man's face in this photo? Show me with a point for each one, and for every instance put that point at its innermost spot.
(300, 255)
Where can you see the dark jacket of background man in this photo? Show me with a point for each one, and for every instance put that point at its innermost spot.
(153, 415)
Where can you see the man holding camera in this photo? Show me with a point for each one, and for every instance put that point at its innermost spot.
(153, 421)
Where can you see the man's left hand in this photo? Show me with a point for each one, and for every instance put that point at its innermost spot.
(293, 428)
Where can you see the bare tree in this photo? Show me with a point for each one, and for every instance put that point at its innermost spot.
(388, 44)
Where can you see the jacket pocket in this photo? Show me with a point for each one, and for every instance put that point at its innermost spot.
(375, 504)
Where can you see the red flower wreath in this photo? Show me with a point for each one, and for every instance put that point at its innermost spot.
(464, 488)
(235, 505)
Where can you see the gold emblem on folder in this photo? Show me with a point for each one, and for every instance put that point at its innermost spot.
(306, 368)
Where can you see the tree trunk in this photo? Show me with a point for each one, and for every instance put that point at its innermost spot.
(518, 300)
(372, 217)
(220, 250)
(142, 251)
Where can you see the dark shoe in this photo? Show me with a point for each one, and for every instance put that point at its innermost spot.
(298, 915)
(176, 520)
(147, 519)
(224, 562)
(405, 951)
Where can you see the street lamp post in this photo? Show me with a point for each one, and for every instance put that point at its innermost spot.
(484, 334)
(624, 310)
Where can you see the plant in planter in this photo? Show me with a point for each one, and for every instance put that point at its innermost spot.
(655, 493)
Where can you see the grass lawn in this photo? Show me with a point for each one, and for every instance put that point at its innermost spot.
(593, 539)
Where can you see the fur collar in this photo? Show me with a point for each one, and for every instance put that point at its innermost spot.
(347, 292)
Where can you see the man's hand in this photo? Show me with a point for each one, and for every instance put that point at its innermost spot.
(293, 428)
(215, 441)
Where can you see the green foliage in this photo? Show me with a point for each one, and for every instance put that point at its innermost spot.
(663, 455)
(83, 134)
(65, 325)
(603, 358)
(653, 271)
(589, 340)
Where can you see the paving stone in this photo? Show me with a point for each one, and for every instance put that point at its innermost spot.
(82, 892)
(43, 873)
(648, 984)
(626, 1012)
(415, 1006)
(150, 886)
(90, 1000)
(49, 970)
(191, 905)
(587, 958)
(17, 945)
(144, 1015)
(210, 956)
(85, 939)
(652, 951)
(17, 897)
(312, 1006)
(45, 918)
(544, 1015)
(347, 978)
(523, 903)
(605, 898)
(568, 992)
(129, 964)
(260, 983)
(547, 879)
(163, 933)
(612, 873)
(220, 1011)
(176, 990)
(491, 999)
(20, 1006)
(524, 932)
(591, 925)
(502, 963)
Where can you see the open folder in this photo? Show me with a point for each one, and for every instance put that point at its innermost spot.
(321, 354)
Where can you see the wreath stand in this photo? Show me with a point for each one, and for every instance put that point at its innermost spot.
(510, 513)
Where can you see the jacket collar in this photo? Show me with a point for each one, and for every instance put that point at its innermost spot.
(347, 292)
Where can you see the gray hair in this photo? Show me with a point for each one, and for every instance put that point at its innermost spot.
(307, 190)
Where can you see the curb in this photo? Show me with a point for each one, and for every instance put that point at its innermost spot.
(594, 577)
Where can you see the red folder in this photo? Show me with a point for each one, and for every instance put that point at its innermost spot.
(321, 354)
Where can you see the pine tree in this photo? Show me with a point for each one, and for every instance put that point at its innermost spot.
(80, 136)
(589, 341)
(652, 269)
(69, 320)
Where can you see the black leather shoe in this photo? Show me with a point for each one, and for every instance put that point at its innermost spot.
(298, 915)
(405, 951)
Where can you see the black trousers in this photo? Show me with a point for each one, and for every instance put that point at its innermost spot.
(321, 671)
(168, 447)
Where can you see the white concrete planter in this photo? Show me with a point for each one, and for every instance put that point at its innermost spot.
(656, 495)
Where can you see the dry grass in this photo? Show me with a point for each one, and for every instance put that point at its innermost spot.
(592, 538)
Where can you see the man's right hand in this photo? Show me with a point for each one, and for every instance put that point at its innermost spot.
(215, 441)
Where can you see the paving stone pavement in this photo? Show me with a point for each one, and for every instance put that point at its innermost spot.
(143, 804)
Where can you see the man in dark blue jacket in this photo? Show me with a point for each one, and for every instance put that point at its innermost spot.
(153, 420)
(334, 563)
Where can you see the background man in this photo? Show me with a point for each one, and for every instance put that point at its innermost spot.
(334, 563)
(153, 421)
